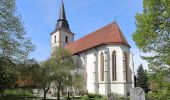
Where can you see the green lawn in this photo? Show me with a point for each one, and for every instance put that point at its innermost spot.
(15, 97)
(149, 96)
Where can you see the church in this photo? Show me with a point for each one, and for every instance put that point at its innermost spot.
(105, 53)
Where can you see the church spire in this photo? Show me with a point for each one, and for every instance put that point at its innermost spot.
(62, 16)
(62, 22)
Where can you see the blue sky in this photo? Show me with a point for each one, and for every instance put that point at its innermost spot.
(84, 17)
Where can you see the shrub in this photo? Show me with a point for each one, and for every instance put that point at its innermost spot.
(114, 96)
(94, 96)
(151, 96)
(20, 92)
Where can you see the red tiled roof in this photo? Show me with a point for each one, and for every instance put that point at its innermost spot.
(109, 34)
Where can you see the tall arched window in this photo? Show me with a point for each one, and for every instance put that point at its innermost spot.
(101, 67)
(114, 73)
(125, 66)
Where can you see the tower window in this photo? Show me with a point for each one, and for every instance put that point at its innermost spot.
(55, 39)
(66, 39)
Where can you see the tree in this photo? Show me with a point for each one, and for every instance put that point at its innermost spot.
(153, 36)
(64, 69)
(142, 79)
(74, 84)
(153, 30)
(26, 74)
(43, 76)
(14, 47)
(58, 71)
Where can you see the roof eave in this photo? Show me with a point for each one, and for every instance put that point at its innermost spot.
(75, 53)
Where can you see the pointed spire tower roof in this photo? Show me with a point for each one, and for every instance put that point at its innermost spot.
(62, 22)
(62, 16)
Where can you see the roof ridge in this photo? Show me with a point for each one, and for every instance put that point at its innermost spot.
(109, 34)
(95, 31)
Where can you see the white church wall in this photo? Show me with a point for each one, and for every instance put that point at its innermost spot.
(90, 71)
(126, 50)
(59, 38)
(53, 37)
(82, 71)
(119, 61)
(102, 88)
(54, 43)
(100, 50)
(117, 88)
(130, 81)
(63, 37)
(102, 84)
(120, 86)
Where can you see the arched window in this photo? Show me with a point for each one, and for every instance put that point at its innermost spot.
(101, 67)
(66, 39)
(114, 73)
(125, 66)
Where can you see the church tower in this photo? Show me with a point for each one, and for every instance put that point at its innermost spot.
(62, 34)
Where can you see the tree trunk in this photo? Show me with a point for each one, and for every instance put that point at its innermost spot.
(68, 98)
(45, 95)
(58, 92)
(45, 92)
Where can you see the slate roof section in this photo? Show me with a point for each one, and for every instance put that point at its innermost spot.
(109, 34)
(62, 22)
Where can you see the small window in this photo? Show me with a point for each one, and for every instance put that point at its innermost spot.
(66, 39)
(55, 39)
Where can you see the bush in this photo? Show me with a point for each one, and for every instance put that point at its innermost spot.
(153, 96)
(114, 96)
(94, 96)
(20, 92)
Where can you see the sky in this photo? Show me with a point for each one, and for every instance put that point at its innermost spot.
(84, 17)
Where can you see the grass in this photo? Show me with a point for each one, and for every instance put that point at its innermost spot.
(150, 96)
(17, 97)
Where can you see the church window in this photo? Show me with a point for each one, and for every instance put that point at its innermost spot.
(114, 73)
(55, 39)
(125, 66)
(66, 39)
(102, 67)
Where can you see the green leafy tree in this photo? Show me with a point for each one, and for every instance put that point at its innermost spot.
(59, 71)
(64, 69)
(142, 79)
(25, 74)
(153, 36)
(14, 47)
(43, 76)
(74, 84)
